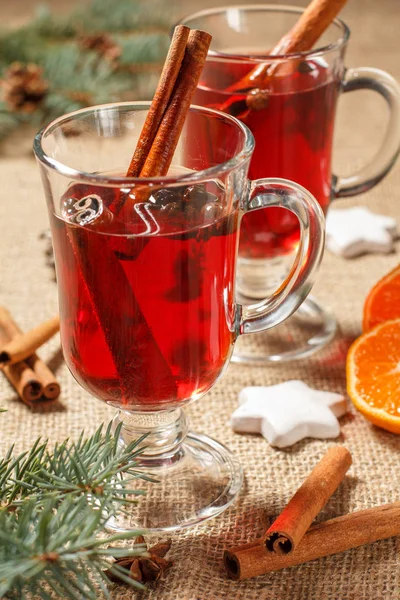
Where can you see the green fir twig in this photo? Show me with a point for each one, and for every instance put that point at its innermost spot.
(95, 467)
(79, 76)
(60, 548)
(54, 509)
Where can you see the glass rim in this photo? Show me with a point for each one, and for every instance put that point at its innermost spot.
(105, 180)
(223, 56)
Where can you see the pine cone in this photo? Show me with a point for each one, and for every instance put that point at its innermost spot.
(144, 569)
(101, 43)
(23, 87)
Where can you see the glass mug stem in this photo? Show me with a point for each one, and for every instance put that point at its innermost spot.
(364, 78)
(163, 433)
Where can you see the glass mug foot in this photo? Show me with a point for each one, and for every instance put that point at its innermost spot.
(194, 477)
(308, 330)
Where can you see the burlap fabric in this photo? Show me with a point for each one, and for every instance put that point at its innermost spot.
(271, 476)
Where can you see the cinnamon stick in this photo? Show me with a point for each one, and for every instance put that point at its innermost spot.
(161, 99)
(35, 374)
(288, 529)
(25, 382)
(126, 339)
(331, 537)
(32, 379)
(51, 387)
(318, 15)
(24, 345)
(166, 139)
(312, 23)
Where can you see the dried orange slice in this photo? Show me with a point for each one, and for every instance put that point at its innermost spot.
(373, 375)
(383, 301)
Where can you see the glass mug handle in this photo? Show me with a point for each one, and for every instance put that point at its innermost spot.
(364, 78)
(280, 193)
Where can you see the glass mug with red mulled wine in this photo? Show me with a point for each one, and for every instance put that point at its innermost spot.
(146, 279)
(293, 126)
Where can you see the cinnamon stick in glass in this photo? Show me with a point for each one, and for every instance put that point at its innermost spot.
(312, 23)
(162, 150)
(331, 537)
(161, 99)
(24, 345)
(166, 116)
(124, 342)
(287, 530)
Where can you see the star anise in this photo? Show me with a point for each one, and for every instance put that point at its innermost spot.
(101, 43)
(144, 569)
(24, 87)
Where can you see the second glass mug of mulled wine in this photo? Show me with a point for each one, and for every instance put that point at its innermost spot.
(292, 121)
(146, 279)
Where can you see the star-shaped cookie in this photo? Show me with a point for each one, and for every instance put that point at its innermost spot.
(354, 231)
(288, 412)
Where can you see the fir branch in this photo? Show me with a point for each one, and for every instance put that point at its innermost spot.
(79, 79)
(121, 16)
(19, 45)
(142, 48)
(78, 76)
(112, 16)
(49, 26)
(22, 468)
(95, 468)
(60, 547)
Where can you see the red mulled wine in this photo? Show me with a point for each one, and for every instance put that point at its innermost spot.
(293, 136)
(146, 291)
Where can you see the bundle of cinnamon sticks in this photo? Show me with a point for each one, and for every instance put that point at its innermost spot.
(29, 375)
(165, 119)
(291, 541)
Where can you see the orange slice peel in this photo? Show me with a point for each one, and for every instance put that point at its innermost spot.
(373, 375)
(383, 301)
